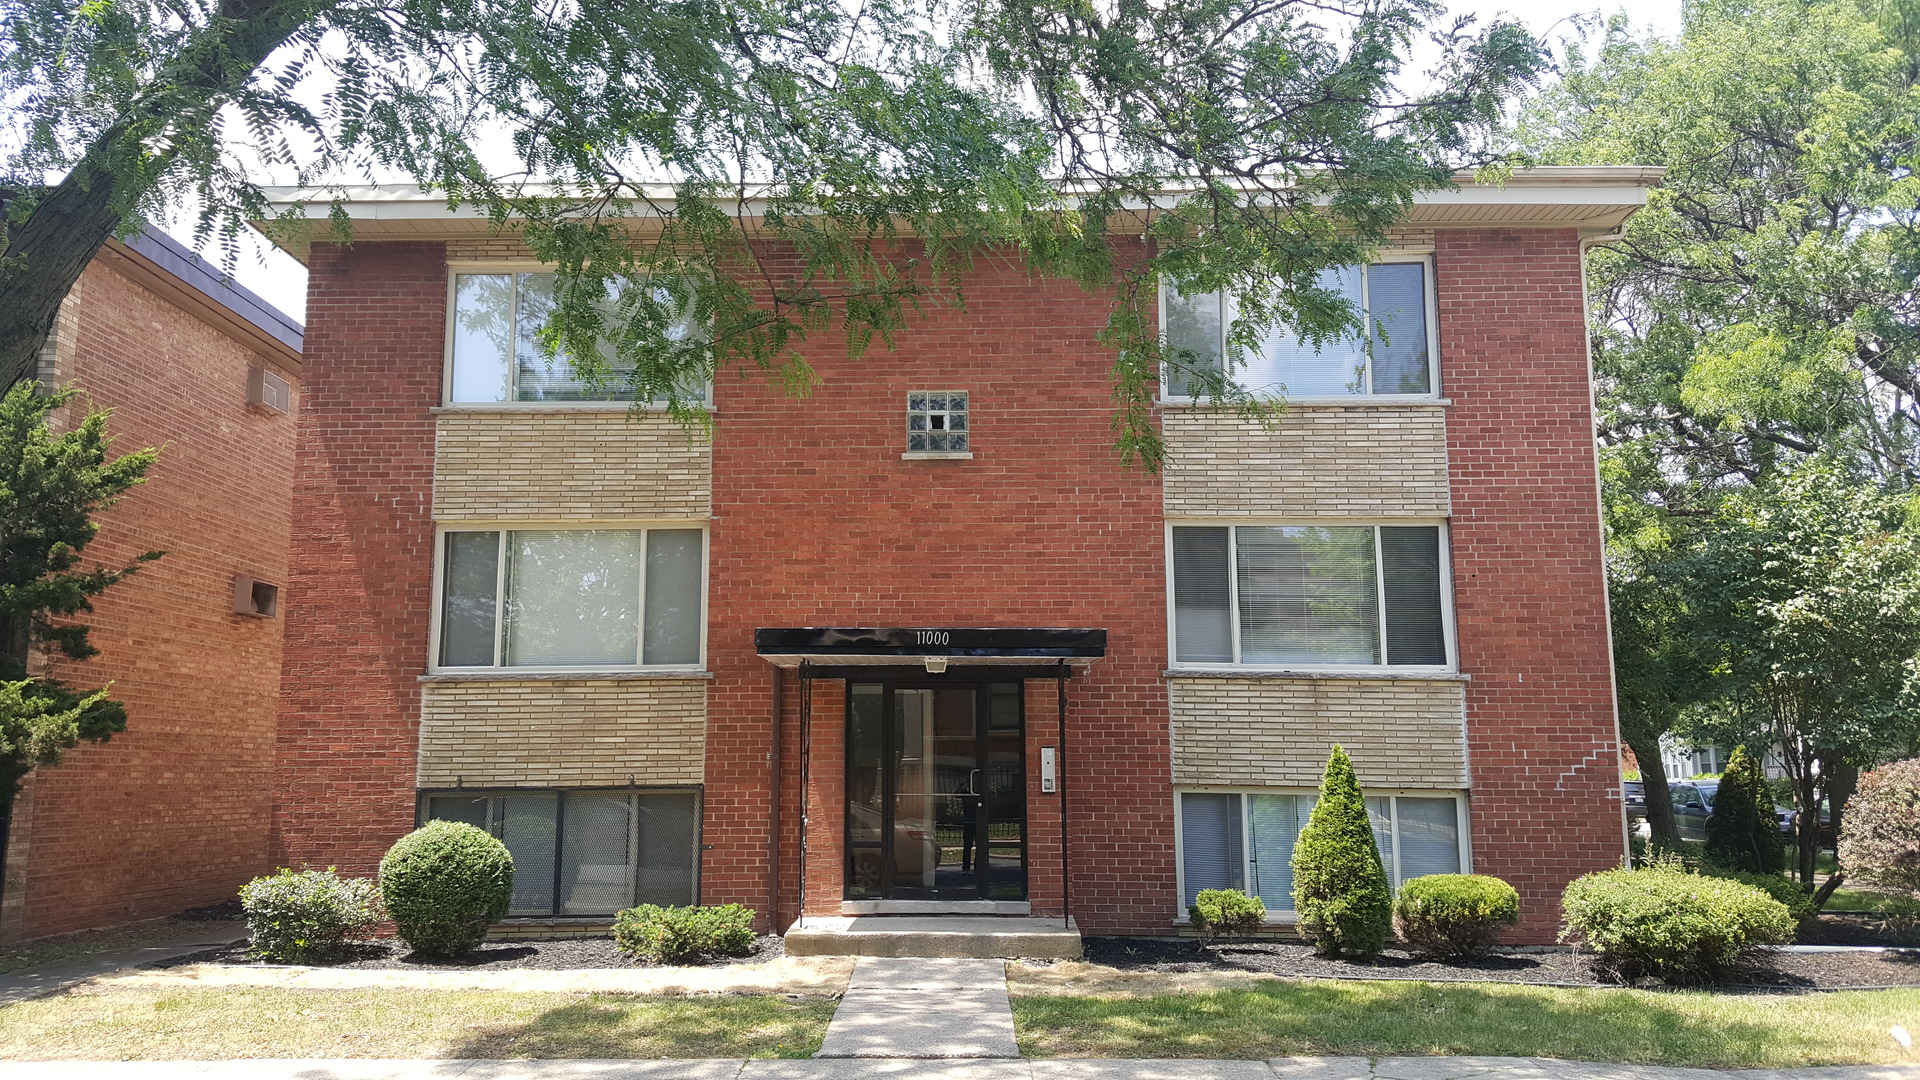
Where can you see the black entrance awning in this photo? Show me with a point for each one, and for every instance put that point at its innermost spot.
(857, 646)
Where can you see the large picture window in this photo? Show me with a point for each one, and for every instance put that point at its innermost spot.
(585, 598)
(1244, 840)
(494, 353)
(1309, 595)
(587, 852)
(1394, 356)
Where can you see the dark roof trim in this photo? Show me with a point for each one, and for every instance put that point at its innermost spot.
(187, 270)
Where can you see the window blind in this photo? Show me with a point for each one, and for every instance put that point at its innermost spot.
(1274, 824)
(1210, 843)
(1397, 317)
(470, 589)
(1193, 323)
(673, 596)
(1429, 837)
(572, 597)
(1410, 576)
(1291, 364)
(1203, 623)
(1307, 595)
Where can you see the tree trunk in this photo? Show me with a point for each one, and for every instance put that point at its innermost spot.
(42, 257)
(1807, 824)
(1653, 776)
(1842, 777)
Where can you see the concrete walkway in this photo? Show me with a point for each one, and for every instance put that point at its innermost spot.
(1417, 1068)
(923, 1009)
(36, 982)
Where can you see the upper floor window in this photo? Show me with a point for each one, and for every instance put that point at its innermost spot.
(494, 353)
(1309, 595)
(1394, 357)
(572, 598)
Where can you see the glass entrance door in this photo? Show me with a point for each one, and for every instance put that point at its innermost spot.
(936, 792)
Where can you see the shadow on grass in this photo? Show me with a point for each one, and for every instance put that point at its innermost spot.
(637, 1026)
(1375, 1018)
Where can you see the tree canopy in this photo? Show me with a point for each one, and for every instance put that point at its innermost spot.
(1269, 137)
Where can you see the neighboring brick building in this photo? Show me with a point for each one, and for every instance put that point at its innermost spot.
(514, 605)
(176, 811)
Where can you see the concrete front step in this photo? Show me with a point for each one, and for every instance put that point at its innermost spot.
(980, 937)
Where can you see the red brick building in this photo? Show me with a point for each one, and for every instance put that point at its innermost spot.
(819, 665)
(176, 811)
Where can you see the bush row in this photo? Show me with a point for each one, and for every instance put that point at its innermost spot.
(444, 885)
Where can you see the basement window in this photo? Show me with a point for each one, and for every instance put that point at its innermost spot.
(585, 853)
(937, 421)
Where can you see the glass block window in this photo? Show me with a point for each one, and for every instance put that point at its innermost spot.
(1394, 356)
(1244, 840)
(586, 852)
(571, 598)
(937, 420)
(1315, 596)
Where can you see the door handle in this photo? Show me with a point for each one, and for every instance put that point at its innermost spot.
(973, 786)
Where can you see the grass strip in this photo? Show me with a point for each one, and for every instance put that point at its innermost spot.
(1280, 1018)
(205, 1024)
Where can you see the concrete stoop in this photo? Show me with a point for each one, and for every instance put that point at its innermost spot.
(988, 937)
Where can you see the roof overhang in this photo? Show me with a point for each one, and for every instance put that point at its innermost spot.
(932, 648)
(1593, 199)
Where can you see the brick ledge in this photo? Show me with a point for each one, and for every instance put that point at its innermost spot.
(1316, 673)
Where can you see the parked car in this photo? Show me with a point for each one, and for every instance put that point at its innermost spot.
(1634, 793)
(1692, 805)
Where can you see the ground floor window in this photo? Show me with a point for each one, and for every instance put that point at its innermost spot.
(586, 852)
(1244, 839)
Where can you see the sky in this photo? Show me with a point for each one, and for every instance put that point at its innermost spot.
(282, 281)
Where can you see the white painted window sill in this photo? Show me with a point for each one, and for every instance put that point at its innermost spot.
(534, 408)
(1365, 674)
(937, 455)
(549, 675)
(1360, 401)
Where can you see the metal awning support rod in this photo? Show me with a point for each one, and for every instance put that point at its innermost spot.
(1060, 767)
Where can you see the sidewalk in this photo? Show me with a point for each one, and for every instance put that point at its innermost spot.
(1425, 1068)
(36, 982)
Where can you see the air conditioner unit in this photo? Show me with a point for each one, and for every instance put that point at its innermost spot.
(266, 388)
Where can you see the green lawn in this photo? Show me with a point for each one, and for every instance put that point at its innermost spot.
(1374, 1018)
(386, 1023)
(1845, 899)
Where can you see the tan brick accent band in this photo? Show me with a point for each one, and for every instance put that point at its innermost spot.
(568, 466)
(1400, 733)
(543, 733)
(1318, 460)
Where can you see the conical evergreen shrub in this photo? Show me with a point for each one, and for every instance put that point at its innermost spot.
(1742, 832)
(1340, 889)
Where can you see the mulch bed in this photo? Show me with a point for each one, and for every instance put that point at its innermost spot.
(1775, 970)
(494, 955)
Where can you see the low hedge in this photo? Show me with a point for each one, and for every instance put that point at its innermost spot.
(684, 935)
(1670, 924)
(296, 917)
(1454, 915)
(1219, 913)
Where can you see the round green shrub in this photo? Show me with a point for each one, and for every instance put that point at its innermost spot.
(1454, 915)
(293, 918)
(1219, 913)
(1340, 888)
(1742, 832)
(1669, 924)
(1880, 831)
(445, 883)
(684, 935)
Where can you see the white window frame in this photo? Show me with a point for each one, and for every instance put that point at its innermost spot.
(500, 595)
(1379, 587)
(1463, 823)
(457, 269)
(1228, 312)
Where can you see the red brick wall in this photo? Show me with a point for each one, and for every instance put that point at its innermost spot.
(818, 522)
(359, 598)
(174, 812)
(1529, 590)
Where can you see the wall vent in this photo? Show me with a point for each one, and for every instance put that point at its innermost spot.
(256, 598)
